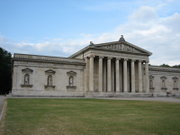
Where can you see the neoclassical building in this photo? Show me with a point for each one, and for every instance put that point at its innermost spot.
(118, 69)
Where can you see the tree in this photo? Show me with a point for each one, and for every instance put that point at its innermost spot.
(176, 66)
(5, 71)
(164, 65)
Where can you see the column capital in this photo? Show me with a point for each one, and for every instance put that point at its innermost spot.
(87, 57)
(125, 59)
(101, 57)
(133, 60)
(146, 61)
(140, 60)
(118, 58)
(109, 58)
(91, 55)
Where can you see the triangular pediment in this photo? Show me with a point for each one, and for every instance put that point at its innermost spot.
(120, 46)
(123, 47)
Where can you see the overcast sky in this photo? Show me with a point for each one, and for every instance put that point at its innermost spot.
(62, 27)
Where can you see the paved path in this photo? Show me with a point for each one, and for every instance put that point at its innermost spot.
(2, 98)
(163, 99)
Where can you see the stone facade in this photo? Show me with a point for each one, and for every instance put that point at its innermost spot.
(108, 69)
(164, 81)
(49, 76)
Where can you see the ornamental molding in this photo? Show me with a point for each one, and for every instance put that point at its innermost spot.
(164, 69)
(71, 73)
(27, 70)
(47, 59)
(163, 77)
(50, 71)
(175, 78)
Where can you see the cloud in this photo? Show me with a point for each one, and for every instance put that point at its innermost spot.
(144, 14)
(160, 35)
(145, 28)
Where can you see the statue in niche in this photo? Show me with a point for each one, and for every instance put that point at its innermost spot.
(175, 83)
(151, 82)
(50, 80)
(71, 80)
(163, 78)
(26, 79)
(163, 84)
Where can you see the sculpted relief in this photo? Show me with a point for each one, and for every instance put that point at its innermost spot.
(121, 47)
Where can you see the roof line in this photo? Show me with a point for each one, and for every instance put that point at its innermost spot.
(107, 43)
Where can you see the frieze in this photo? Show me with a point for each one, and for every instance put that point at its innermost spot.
(119, 55)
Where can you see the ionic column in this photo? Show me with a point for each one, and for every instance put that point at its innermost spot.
(132, 76)
(140, 75)
(87, 74)
(91, 73)
(117, 76)
(100, 73)
(109, 75)
(147, 76)
(125, 75)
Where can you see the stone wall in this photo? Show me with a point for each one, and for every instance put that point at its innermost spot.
(47, 76)
(54, 76)
(164, 81)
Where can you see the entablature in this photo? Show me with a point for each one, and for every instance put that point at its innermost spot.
(116, 55)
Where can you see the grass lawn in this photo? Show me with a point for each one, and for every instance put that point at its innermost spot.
(90, 117)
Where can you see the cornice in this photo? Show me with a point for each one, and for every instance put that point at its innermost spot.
(164, 69)
(47, 59)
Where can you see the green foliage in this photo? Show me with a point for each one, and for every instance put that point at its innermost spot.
(164, 65)
(5, 71)
(176, 66)
(90, 117)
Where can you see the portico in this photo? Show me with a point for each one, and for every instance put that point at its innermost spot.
(117, 74)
